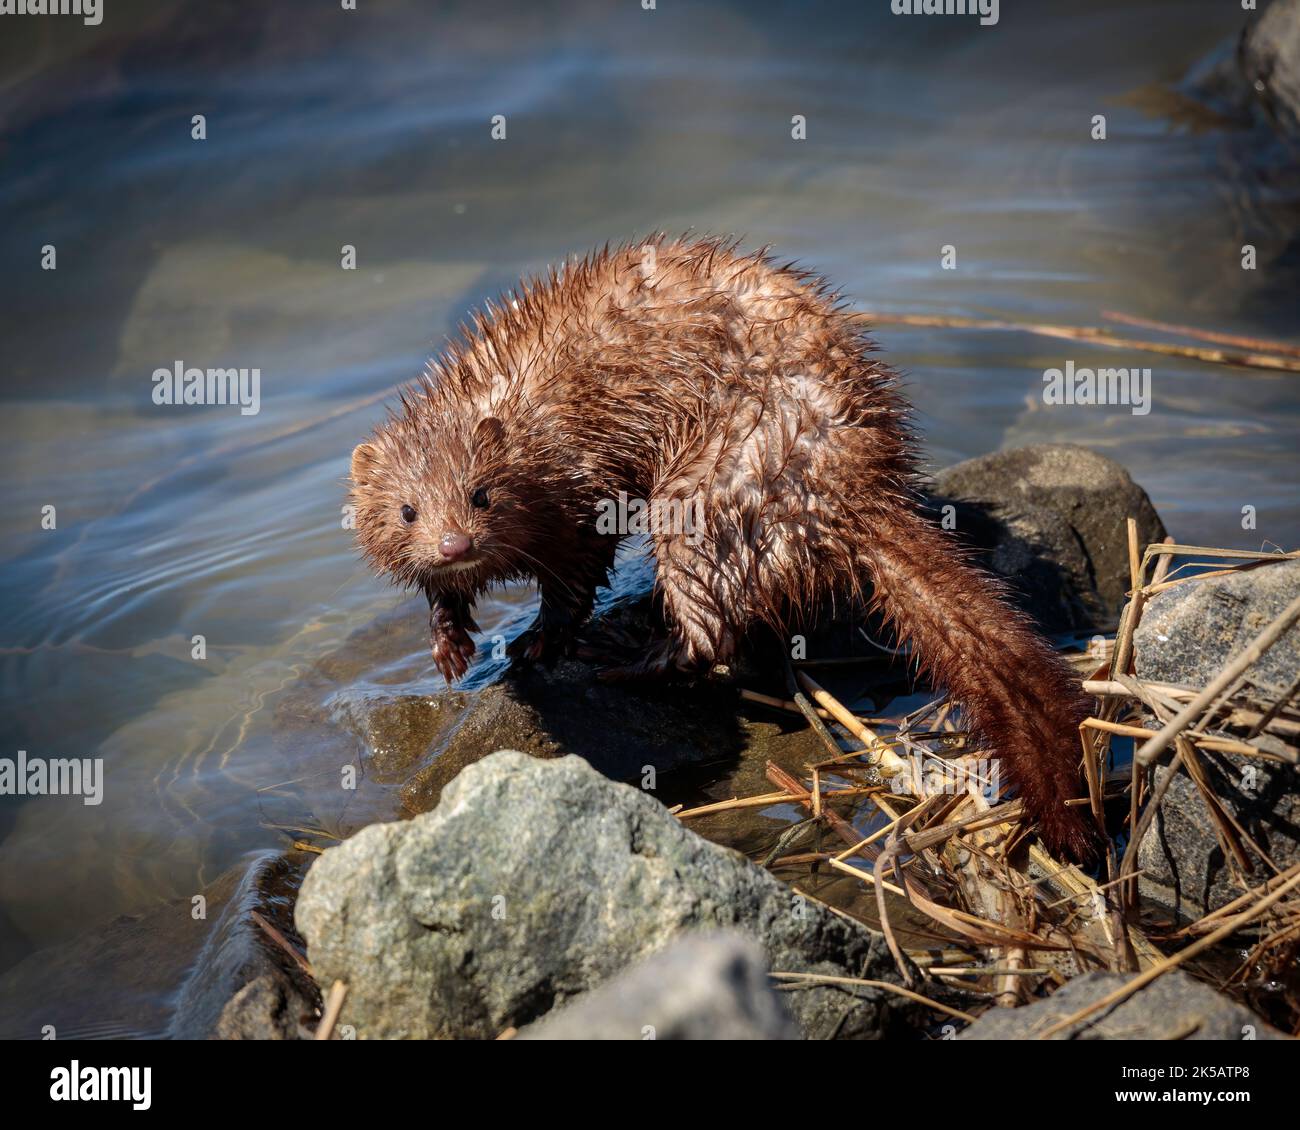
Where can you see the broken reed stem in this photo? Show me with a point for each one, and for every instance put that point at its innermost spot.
(889, 858)
(886, 759)
(887, 986)
(778, 703)
(1143, 979)
(333, 1007)
(1134, 561)
(1255, 344)
(838, 824)
(766, 800)
(1243, 359)
(280, 940)
(1007, 813)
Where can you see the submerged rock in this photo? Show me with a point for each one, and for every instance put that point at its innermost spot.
(1052, 519)
(268, 1008)
(707, 986)
(1173, 1007)
(129, 969)
(533, 882)
(239, 954)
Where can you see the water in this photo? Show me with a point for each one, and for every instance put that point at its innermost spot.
(371, 128)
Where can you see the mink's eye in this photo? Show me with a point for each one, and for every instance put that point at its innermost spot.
(479, 499)
(408, 513)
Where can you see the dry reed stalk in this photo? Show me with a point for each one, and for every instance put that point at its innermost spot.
(886, 986)
(766, 800)
(1092, 334)
(888, 762)
(333, 1007)
(280, 940)
(779, 703)
(1143, 979)
(1254, 344)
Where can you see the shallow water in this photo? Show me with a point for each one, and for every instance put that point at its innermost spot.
(371, 129)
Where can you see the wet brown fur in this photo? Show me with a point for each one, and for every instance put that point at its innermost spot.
(677, 371)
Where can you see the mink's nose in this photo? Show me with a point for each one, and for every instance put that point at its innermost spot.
(454, 546)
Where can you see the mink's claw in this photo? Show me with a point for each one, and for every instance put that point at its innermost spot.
(538, 644)
(659, 661)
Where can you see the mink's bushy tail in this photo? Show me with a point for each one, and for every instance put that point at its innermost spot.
(1022, 701)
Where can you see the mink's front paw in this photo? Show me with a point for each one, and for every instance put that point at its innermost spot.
(452, 650)
(451, 645)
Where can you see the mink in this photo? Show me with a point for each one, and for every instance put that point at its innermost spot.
(728, 387)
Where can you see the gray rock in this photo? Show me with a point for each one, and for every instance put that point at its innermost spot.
(1187, 634)
(1270, 64)
(1184, 867)
(1173, 1007)
(1253, 80)
(1052, 519)
(267, 1008)
(707, 986)
(535, 881)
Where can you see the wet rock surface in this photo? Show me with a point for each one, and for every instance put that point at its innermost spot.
(238, 953)
(1173, 1007)
(1185, 867)
(1186, 636)
(1255, 78)
(268, 1008)
(533, 882)
(622, 731)
(1052, 520)
(707, 986)
(1189, 633)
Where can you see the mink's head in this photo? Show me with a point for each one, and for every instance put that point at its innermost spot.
(443, 499)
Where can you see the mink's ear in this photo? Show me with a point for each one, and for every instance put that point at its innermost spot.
(488, 431)
(363, 463)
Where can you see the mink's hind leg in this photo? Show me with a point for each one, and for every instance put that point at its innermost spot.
(450, 624)
(694, 590)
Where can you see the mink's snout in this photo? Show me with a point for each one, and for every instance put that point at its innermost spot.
(454, 546)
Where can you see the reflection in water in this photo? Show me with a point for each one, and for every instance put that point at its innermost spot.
(325, 132)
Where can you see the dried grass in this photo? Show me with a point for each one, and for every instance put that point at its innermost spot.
(1018, 921)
